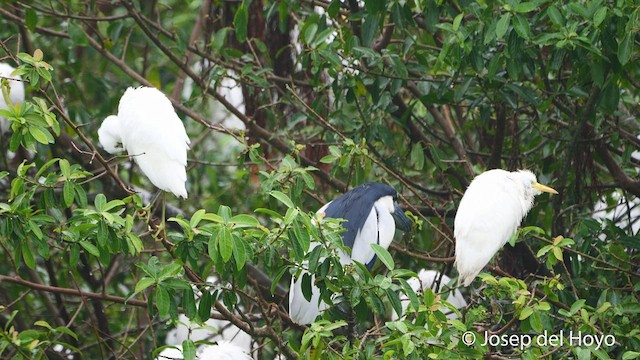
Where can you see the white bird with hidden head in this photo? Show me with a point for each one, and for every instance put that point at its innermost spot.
(16, 92)
(222, 351)
(428, 279)
(151, 132)
(489, 213)
(372, 215)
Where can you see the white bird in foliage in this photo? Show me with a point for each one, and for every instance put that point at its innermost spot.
(222, 351)
(151, 132)
(489, 214)
(427, 279)
(171, 353)
(16, 92)
(372, 215)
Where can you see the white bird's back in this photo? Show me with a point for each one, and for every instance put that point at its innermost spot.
(488, 215)
(222, 351)
(153, 134)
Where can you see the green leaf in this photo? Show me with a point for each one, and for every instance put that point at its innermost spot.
(212, 245)
(521, 25)
(457, 20)
(503, 25)
(545, 249)
(384, 256)
(35, 229)
(219, 39)
(555, 15)
(41, 135)
(243, 220)
(65, 168)
(239, 252)
(204, 306)
(536, 322)
(282, 197)
(197, 217)
(225, 244)
(577, 306)
(240, 21)
(525, 313)
(100, 201)
(417, 156)
(162, 301)
(557, 252)
(142, 284)
(370, 28)
(30, 19)
(599, 16)
(169, 271)
(27, 255)
(526, 7)
(625, 48)
(629, 355)
(189, 349)
(68, 193)
(189, 303)
(90, 248)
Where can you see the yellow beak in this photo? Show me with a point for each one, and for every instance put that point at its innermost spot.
(544, 188)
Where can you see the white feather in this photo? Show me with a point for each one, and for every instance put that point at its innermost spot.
(489, 213)
(222, 351)
(153, 134)
(427, 279)
(171, 353)
(16, 92)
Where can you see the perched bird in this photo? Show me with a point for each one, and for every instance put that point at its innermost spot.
(151, 132)
(222, 351)
(171, 353)
(213, 330)
(428, 279)
(490, 211)
(16, 92)
(372, 214)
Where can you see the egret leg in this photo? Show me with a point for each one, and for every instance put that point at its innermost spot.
(161, 232)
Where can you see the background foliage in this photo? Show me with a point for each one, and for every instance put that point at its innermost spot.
(422, 95)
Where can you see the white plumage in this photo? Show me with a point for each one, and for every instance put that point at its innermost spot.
(490, 211)
(171, 353)
(151, 132)
(16, 94)
(222, 351)
(427, 279)
(212, 330)
(372, 216)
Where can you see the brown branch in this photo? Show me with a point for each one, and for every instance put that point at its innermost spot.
(73, 292)
(621, 178)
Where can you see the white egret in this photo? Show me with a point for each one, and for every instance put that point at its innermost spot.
(171, 353)
(372, 214)
(213, 330)
(151, 132)
(222, 351)
(490, 211)
(16, 92)
(427, 279)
